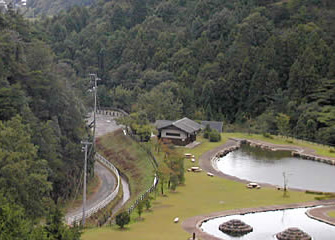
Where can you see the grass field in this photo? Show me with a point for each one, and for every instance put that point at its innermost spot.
(331, 214)
(200, 195)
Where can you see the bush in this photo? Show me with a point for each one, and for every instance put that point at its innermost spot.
(122, 219)
(148, 203)
(267, 135)
(207, 131)
(214, 136)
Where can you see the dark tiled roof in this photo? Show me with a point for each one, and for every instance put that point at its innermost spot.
(163, 123)
(213, 125)
(185, 124)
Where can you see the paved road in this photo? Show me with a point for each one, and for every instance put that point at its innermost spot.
(108, 184)
(105, 124)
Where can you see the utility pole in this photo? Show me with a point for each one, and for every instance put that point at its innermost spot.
(96, 79)
(85, 143)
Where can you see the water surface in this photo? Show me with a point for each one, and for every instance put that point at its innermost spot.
(264, 166)
(267, 224)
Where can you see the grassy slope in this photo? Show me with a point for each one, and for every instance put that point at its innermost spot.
(200, 195)
(129, 158)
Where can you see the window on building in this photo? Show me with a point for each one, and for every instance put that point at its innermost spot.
(173, 134)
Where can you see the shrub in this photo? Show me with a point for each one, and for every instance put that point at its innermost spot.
(214, 136)
(267, 135)
(207, 131)
(139, 208)
(148, 203)
(122, 219)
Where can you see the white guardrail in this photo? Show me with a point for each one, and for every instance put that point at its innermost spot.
(144, 195)
(78, 217)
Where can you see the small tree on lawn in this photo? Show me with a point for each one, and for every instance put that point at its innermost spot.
(140, 208)
(174, 181)
(207, 131)
(148, 203)
(122, 219)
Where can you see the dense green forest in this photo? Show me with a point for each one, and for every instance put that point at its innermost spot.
(41, 125)
(51, 7)
(254, 62)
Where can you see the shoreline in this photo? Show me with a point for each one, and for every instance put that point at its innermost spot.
(193, 225)
(206, 162)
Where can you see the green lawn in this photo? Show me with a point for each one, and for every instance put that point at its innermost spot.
(200, 195)
(331, 214)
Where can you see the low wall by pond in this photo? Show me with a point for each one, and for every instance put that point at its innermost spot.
(296, 151)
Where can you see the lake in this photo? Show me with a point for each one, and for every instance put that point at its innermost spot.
(264, 166)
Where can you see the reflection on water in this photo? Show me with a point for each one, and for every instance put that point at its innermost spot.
(267, 224)
(263, 166)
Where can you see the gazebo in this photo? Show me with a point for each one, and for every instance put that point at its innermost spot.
(293, 234)
(235, 228)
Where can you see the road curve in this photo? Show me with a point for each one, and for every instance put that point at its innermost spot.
(108, 184)
(104, 124)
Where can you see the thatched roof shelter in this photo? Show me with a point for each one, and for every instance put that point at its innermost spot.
(293, 234)
(235, 228)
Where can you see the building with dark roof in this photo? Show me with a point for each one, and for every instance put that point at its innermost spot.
(180, 132)
(213, 125)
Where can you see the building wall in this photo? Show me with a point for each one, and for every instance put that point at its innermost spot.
(172, 133)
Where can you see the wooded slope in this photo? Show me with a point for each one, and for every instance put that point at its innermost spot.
(264, 63)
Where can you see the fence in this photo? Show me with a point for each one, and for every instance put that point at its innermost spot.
(78, 217)
(144, 195)
(115, 112)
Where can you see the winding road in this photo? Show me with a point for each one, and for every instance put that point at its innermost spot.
(104, 124)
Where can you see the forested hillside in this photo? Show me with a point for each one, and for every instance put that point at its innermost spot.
(51, 7)
(255, 61)
(40, 131)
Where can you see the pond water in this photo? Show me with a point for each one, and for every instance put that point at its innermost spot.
(267, 224)
(264, 166)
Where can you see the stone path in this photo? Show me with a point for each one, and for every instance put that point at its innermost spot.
(321, 214)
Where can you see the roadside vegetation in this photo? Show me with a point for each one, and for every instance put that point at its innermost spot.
(130, 159)
(199, 194)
